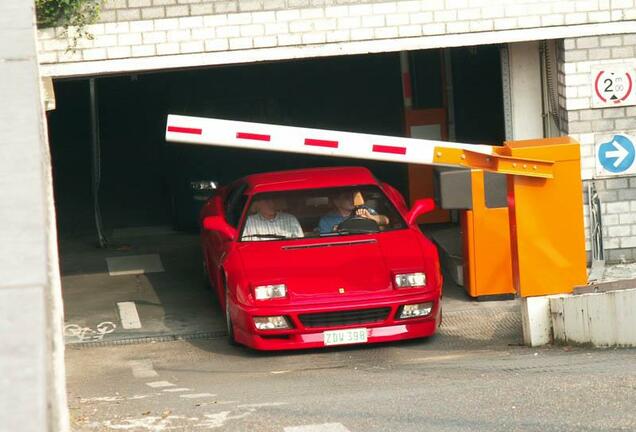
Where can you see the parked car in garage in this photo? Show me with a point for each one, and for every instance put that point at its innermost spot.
(319, 257)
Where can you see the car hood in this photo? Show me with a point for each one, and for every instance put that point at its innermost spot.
(333, 269)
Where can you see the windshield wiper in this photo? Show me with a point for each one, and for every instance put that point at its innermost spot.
(274, 236)
(335, 233)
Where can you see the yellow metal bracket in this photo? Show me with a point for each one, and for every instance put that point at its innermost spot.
(495, 162)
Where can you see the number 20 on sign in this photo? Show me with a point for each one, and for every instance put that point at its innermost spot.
(613, 86)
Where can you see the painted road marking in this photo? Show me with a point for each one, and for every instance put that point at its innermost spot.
(262, 405)
(325, 427)
(128, 315)
(114, 398)
(159, 384)
(197, 395)
(178, 389)
(134, 265)
(142, 368)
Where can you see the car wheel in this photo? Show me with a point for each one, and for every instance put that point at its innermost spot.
(228, 320)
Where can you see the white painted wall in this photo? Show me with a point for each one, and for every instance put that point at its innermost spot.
(160, 34)
(33, 396)
(525, 90)
(535, 320)
(601, 319)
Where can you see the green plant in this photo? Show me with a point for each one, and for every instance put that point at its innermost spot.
(72, 15)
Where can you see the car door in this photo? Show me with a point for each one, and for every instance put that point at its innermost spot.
(217, 245)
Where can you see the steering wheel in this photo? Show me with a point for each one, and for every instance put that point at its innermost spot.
(358, 223)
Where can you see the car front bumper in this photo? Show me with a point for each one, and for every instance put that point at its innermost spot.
(299, 337)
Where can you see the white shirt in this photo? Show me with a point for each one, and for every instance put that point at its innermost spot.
(283, 224)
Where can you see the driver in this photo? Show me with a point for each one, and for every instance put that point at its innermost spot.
(345, 202)
(268, 223)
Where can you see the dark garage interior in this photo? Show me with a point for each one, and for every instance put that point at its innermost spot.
(145, 181)
(143, 178)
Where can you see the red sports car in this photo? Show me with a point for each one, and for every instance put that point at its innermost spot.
(319, 257)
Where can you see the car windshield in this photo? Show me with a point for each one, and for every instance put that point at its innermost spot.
(326, 212)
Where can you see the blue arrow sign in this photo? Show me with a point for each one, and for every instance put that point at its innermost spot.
(617, 155)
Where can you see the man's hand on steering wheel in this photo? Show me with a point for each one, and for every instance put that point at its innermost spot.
(361, 211)
(365, 212)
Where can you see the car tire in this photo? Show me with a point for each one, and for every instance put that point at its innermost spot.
(228, 320)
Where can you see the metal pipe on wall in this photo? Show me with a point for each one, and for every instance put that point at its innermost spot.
(96, 163)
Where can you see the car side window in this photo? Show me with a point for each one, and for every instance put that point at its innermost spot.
(234, 204)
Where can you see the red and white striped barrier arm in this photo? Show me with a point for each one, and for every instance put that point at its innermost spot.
(261, 136)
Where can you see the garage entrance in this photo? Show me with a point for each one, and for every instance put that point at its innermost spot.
(147, 205)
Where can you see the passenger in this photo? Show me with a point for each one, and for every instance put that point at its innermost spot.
(269, 223)
(344, 203)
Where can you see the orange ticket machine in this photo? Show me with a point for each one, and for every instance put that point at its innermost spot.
(485, 229)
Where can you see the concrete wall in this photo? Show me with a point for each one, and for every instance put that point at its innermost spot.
(151, 34)
(525, 90)
(33, 396)
(600, 319)
(593, 126)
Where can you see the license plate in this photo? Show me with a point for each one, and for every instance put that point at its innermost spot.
(344, 337)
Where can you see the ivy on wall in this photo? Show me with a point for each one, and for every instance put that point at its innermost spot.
(72, 15)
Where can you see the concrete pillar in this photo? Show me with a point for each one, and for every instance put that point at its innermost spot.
(536, 321)
(525, 91)
(525, 121)
(33, 396)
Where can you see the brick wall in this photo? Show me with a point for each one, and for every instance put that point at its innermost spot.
(509, 13)
(143, 28)
(590, 126)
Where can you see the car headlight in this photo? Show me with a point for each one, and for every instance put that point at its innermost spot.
(203, 185)
(407, 280)
(271, 322)
(415, 310)
(266, 292)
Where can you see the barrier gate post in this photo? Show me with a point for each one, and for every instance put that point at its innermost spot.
(546, 220)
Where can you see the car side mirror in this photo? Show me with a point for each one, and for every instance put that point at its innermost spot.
(217, 223)
(421, 207)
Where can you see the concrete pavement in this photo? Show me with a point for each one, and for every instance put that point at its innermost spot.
(409, 386)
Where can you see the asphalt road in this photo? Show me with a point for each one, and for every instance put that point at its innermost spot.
(413, 386)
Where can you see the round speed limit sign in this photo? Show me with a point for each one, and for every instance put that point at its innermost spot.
(613, 86)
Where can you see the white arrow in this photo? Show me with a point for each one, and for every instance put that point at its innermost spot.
(619, 152)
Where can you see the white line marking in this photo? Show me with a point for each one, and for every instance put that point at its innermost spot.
(262, 405)
(158, 384)
(114, 398)
(178, 389)
(197, 395)
(128, 315)
(142, 368)
(134, 265)
(217, 420)
(325, 427)
(149, 423)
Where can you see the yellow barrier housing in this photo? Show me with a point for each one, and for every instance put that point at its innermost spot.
(546, 219)
(545, 204)
(486, 244)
